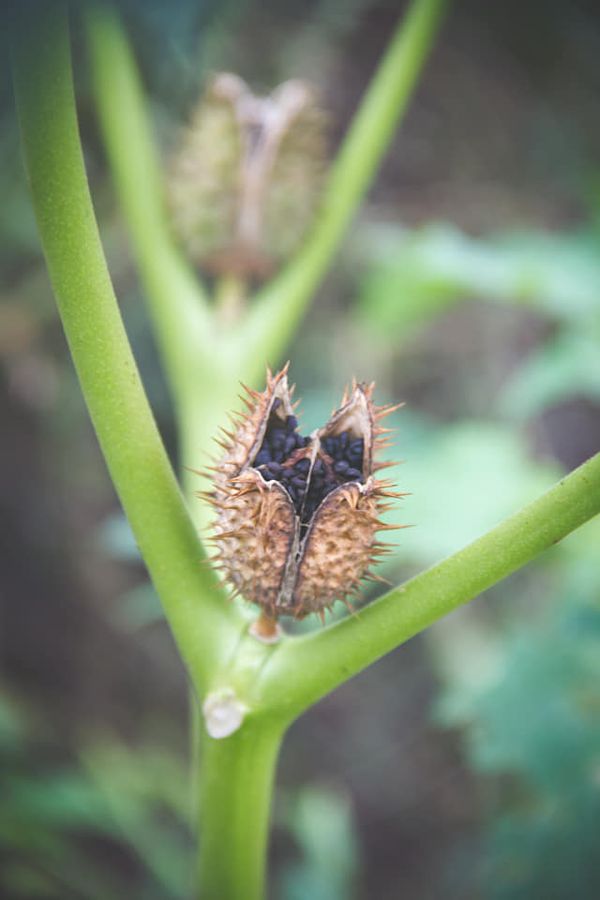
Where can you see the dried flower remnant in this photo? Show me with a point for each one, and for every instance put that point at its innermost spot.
(244, 184)
(297, 517)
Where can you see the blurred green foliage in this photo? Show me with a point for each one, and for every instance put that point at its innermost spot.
(109, 824)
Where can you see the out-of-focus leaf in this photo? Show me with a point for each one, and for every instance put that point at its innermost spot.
(116, 539)
(463, 479)
(566, 366)
(320, 820)
(138, 608)
(412, 275)
(146, 794)
(534, 720)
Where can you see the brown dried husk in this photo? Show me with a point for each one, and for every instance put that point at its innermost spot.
(264, 552)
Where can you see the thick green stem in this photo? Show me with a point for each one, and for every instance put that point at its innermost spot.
(200, 617)
(237, 775)
(276, 312)
(305, 669)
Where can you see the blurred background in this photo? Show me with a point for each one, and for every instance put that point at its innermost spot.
(466, 764)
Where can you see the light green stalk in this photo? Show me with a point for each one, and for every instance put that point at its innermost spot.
(277, 310)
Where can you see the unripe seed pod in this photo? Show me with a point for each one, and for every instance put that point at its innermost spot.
(244, 185)
(297, 517)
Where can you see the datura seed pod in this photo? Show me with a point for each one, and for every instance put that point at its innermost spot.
(244, 184)
(297, 517)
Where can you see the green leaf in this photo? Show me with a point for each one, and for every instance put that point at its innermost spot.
(412, 275)
(566, 366)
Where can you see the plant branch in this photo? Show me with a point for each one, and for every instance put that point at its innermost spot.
(309, 667)
(276, 311)
(200, 617)
(182, 318)
(236, 785)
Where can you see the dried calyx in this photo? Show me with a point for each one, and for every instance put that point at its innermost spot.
(297, 516)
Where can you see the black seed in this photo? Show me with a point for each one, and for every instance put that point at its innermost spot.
(303, 465)
(344, 439)
(354, 474)
(299, 482)
(262, 457)
(274, 467)
(341, 466)
(357, 446)
(318, 467)
(290, 443)
(291, 423)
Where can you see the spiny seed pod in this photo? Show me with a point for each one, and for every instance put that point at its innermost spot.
(297, 517)
(244, 185)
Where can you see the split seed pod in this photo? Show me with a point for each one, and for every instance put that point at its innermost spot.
(297, 517)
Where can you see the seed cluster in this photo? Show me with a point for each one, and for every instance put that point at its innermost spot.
(280, 458)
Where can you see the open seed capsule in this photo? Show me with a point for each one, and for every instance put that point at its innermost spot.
(297, 518)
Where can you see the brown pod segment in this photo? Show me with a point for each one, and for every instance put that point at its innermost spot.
(298, 516)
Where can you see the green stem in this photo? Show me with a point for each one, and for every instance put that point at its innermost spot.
(230, 296)
(237, 775)
(200, 617)
(183, 321)
(276, 312)
(305, 669)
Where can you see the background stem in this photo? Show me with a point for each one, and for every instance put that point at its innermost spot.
(183, 321)
(278, 308)
(236, 782)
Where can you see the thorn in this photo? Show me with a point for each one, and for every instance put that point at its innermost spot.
(382, 411)
(225, 535)
(372, 576)
(249, 390)
(248, 404)
(189, 469)
(383, 465)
